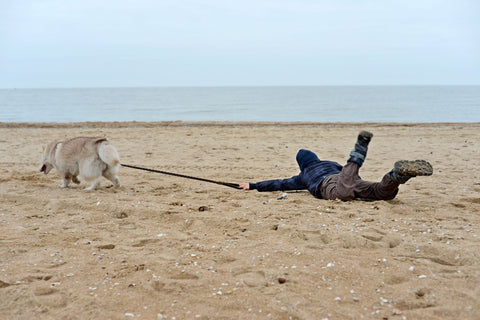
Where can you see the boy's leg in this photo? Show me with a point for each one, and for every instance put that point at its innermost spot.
(343, 185)
(359, 153)
(347, 185)
(347, 182)
(387, 189)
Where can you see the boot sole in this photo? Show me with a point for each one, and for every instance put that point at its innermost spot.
(366, 134)
(414, 168)
(365, 137)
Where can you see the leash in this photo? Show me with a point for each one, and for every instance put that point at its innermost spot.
(227, 184)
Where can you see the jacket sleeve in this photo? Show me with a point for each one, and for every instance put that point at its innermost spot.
(293, 183)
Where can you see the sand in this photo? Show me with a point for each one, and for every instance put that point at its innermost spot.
(163, 247)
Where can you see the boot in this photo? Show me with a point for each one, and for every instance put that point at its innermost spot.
(361, 146)
(403, 170)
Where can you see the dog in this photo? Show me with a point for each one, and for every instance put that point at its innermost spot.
(88, 157)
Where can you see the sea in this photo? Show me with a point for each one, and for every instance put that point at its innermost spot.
(405, 104)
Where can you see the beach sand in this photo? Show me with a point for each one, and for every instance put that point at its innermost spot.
(163, 247)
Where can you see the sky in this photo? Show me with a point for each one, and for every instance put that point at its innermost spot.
(137, 43)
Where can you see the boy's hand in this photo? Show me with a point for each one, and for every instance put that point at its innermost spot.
(245, 185)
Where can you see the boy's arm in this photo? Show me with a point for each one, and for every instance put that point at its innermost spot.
(293, 183)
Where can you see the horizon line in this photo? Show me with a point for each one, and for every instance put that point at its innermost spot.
(239, 86)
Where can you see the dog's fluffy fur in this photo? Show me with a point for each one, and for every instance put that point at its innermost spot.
(88, 157)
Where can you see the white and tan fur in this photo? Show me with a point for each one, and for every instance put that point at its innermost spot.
(88, 157)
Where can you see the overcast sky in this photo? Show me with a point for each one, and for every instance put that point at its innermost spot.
(110, 43)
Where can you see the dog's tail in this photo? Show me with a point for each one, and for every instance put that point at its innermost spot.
(108, 154)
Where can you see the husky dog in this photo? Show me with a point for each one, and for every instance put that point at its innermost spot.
(89, 157)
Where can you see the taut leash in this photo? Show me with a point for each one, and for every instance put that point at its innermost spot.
(227, 184)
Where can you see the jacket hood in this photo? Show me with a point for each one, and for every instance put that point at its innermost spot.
(305, 157)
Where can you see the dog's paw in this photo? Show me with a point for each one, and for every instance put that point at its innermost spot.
(75, 180)
(93, 186)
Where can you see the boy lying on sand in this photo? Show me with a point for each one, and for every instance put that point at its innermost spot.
(329, 180)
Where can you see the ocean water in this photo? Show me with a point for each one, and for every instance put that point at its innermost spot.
(408, 104)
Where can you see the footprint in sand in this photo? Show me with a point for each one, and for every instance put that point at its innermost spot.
(442, 255)
(251, 278)
(47, 296)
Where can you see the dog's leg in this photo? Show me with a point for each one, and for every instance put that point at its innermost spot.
(112, 177)
(115, 181)
(75, 180)
(94, 184)
(91, 169)
(66, 181)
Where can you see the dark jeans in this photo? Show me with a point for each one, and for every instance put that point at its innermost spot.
(347, 185)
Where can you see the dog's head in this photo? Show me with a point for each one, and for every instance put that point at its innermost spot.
(45, 165)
